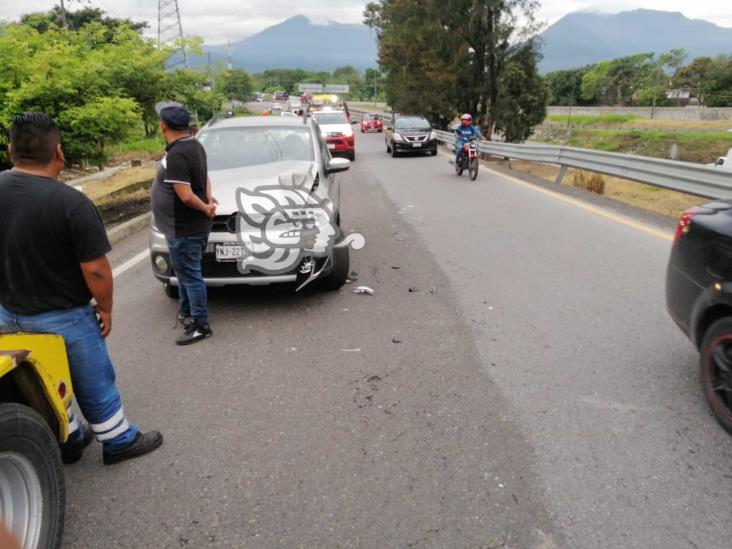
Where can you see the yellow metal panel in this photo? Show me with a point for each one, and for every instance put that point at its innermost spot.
(7, 364)
(48, 358)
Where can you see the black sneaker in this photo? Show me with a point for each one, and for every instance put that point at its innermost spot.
(186, 321)
(193, 333)
(143, 444)
(71, 451)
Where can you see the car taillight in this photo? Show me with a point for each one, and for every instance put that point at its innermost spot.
(684, 222)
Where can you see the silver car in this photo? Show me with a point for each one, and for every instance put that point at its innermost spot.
(278, 218)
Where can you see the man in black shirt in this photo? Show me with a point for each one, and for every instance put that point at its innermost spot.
(183, 207)
(53, 260)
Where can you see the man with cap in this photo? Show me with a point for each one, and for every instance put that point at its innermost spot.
(53, 261)
(183, 208)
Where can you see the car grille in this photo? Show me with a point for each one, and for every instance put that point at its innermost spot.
(224, 224)
(415, 138)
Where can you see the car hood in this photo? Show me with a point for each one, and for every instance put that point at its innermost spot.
(335, 128)
(286, 174)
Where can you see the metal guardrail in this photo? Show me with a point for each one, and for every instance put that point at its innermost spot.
(686, 177)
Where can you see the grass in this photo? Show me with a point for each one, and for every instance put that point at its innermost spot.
(142, 148)
(648, 197)
(588, 120)
(634, 122)
(698, 147)
(119, 185)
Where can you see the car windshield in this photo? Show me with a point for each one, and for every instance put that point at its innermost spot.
(331, 118)
(373, 117)
(412, 123)
(229, 148)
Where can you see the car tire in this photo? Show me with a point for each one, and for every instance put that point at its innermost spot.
(170, 290)
(352, 156)
(434, 152)
(338, 276)
(33, 478)
(394, 153)
(717, 346)
(380, 131)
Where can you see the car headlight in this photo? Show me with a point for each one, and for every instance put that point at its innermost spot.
(398, 137)
(348, 132)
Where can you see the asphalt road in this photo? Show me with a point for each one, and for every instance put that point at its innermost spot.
(530, 391)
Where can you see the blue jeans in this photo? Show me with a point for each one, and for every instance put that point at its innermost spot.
(459, 144)
(92, 372)
(186, 254)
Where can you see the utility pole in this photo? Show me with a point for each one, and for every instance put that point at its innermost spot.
(170, 28)
(63, 14)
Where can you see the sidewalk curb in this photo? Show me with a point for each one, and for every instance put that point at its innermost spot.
(122, 231)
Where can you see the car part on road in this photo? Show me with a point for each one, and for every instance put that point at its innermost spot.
(363, 290)
(716, 370)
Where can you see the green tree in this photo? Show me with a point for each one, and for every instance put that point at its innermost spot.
(234, 84)
(565, 87)
(617, 81)
(698, 77)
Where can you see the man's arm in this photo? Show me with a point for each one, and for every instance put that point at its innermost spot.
(98, 277)
(186, 195)
(209, 193)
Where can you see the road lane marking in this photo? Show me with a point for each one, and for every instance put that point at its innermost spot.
(127, 265)
(658, 233)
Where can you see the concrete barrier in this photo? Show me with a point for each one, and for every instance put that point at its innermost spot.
(662, 113)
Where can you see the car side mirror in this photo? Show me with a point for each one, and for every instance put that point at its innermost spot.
(337, 165)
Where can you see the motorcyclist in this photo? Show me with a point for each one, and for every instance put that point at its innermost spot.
(464, 133)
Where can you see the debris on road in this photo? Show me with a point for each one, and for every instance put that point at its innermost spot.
(363, 290)
(395, 340)
(433, 291)
(356, 350)
(413, 289)
(395, 267)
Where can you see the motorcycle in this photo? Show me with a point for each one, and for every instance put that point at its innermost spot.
(468, 160)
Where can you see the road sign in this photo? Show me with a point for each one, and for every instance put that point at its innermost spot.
(337, 88)
(310, 88)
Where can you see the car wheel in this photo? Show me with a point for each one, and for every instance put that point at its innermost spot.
(434, 152)
(715, 360)
(170, 290)
(32, 490)
(394, 152)
(337, 277)
(352, 156)
(380, 131)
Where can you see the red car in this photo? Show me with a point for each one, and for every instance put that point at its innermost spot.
(372, 123)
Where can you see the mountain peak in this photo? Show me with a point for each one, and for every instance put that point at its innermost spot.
(586, 37)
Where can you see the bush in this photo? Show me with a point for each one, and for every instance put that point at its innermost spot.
(589, 181)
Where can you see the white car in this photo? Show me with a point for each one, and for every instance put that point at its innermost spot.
(278, 218)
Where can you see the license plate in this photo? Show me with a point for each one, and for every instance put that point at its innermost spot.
(229, 252)
(331, 146)
(415, 145)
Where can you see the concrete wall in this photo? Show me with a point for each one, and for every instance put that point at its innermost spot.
(662, 113)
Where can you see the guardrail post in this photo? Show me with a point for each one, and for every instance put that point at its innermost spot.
(560, 175)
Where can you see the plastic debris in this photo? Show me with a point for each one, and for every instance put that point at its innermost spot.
(357, 350)
(395, 340)
(433, 291)
(363, 290)
(413, 289)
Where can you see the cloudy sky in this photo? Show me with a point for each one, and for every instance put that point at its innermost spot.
(218, 20)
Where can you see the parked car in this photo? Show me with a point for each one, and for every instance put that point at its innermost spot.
(409, 133)
(337, 132)
(275, 182)
(372, 123)
(699, 297)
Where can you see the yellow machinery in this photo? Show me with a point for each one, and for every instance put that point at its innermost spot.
(35, 395)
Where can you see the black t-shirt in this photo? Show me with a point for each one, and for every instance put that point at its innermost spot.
(184, 162)
(46, 230)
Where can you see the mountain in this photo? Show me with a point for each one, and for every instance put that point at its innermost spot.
(583, 38)
(299, 43)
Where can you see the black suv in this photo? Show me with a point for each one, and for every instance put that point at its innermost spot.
(699, 297)
(407, 133)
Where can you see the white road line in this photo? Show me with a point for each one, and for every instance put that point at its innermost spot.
(127, 265)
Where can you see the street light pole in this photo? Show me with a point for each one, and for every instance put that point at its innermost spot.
(63, 14)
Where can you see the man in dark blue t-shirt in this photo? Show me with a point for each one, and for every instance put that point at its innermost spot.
(183, 208)
(53, 261)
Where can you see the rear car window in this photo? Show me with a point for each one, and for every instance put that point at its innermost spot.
(331, 118)
(229, 148)
(412, 123)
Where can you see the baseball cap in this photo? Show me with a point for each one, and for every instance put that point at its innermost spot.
(174, 114)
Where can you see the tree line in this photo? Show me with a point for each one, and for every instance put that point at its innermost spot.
(445, 57)
(368, 86)
(644, 80)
